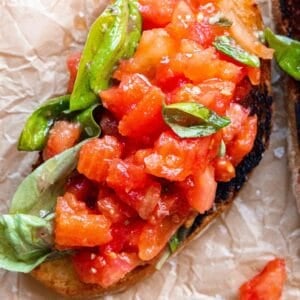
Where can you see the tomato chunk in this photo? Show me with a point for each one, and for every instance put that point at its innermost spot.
(72, 64)
(110, 205)
(104, 269)
(62, 136)
(174, 158)
(156, 14)
(95, 157)
(76, 226)
(216, 94)
(200, 189)
(121, 100)
(147, 57)
(268, 284)
(146, 118)
(244, 141)
(154, 237)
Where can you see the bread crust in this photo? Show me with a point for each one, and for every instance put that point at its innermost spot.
(59, 274)
(286, 15)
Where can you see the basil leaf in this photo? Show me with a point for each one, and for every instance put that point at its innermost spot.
(287, 52)
(35, 132)
(86, 119)
(229, 46)
(82, 95)
(37, 194)
(190, 119)
(174, 243)
(25, 242)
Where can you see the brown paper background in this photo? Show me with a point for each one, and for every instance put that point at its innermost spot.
(35, 38)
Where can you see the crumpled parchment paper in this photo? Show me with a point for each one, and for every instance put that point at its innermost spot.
(35, 39)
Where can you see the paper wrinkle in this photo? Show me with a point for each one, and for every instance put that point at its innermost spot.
(36, 37)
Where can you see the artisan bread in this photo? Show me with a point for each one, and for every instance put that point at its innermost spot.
(286, 15)
(59, 274)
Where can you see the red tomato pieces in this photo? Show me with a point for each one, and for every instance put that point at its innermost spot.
(62, 136)
(200, 189)
(76, 225)
(104, 269)
(109, 204)
(123, 99)
(95, 157)
(154, 237)
(139, 182)
(268, 284)
(244, 141)
(146, 118)
(72, 64)
(174, 158)
(216, 94)
(156, 13)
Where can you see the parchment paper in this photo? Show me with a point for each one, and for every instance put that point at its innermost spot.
(35, 38)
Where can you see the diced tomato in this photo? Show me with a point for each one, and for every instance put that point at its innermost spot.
(203, 65)
(174, 158)
(268, 284)
(72, 64)
(104, 269)
(156, 14)
(125, 236)
(83, 189)
(154, 237)
(146, 118)
(224, 170)
(167, 79)
(216, 94)
(170, 204)
(147, 57)
(62, 136)
(76, 226)
(200, 189)
(254, 75)
(143, 200)
(95, 157)
(110, 205)
(237, 115)
(182, 19)
(121, 100)
(126, 176)
(244, 141)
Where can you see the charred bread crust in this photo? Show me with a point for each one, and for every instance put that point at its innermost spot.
(287, 14)
(59, 274)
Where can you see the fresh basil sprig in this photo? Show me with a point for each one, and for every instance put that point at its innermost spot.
(25, 242)
(287, 52)
(37, 194)
(190, 119)
(229, 46)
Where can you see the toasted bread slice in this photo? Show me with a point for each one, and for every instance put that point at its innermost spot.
(287, 13)
(60, 275)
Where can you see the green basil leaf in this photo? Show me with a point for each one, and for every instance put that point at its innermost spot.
(36, 129)
(86, 119)
(174, 243)
(25, 242)
(190, 119)
(38, 192)
(228, 46)
(287, 52)
(83, 96)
